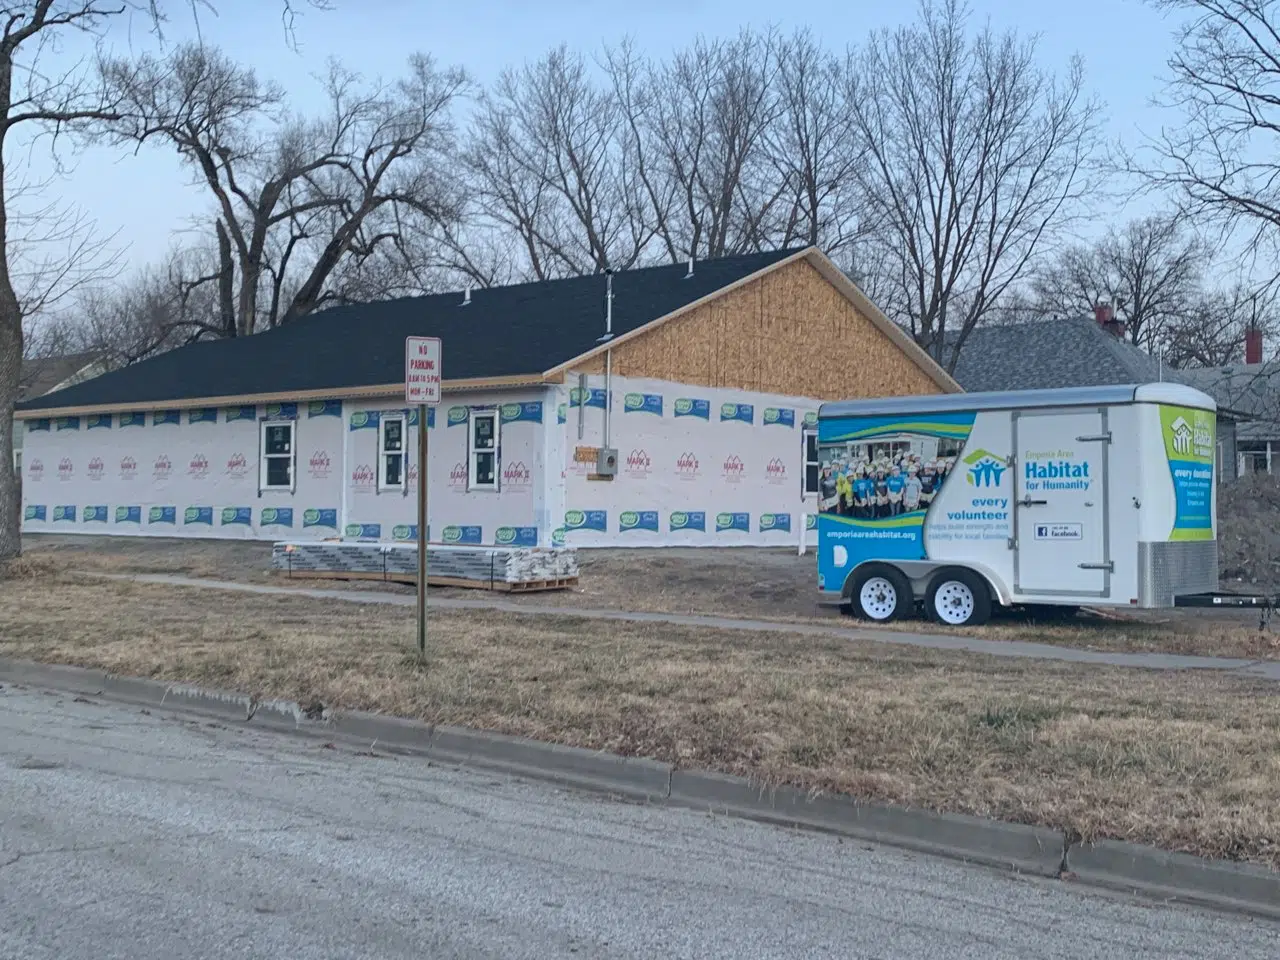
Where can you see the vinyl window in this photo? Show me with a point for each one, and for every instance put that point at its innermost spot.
(278, 455)
(391, 453)
(482, 459)
(812, 464)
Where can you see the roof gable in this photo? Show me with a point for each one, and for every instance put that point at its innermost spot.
(517, 331)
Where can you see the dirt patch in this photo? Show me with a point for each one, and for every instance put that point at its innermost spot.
(1189, 761)
(1249, 533)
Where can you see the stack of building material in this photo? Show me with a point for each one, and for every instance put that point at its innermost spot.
(490, 568)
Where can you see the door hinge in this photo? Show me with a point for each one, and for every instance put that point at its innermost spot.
(1013, 543)
(1108, 565)
(1095, 438)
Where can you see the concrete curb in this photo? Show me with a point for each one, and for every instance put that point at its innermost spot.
(1038, 851)
(1024, 849)
(1240, 887)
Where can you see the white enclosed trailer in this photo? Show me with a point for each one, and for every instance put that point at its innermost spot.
(1099, 496)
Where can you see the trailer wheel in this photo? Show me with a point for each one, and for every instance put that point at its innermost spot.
(881, 593)
(958, 598)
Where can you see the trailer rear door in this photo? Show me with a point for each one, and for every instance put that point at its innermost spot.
(1060, 512)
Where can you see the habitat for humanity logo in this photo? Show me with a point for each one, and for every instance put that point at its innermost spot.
(1056, 470)
(1190, 433)
(985, 469)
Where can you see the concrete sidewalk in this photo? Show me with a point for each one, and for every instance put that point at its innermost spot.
(1264, 669)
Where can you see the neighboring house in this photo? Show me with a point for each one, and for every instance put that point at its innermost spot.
(44, 375)
(708, 389)
(1079, 352)
(1254, 390)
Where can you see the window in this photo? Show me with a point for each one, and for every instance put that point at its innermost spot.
(812, 464)
(277, 455)
(391, 453)
(482, 465)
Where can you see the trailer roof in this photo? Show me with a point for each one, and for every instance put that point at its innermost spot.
(1174, 393)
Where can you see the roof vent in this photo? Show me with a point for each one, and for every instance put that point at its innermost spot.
(466, 296)
(690, 273)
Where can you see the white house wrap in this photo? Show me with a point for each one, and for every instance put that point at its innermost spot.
(302, 434)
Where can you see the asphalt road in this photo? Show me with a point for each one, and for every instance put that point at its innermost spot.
(131, 835)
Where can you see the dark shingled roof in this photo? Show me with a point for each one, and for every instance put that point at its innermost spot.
(1052, 353)
(520, 330)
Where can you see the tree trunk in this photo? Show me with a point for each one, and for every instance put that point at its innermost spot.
(226, 283)
(10, 374)
(10, 353)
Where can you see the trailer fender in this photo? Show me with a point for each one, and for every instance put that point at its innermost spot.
(921, 572)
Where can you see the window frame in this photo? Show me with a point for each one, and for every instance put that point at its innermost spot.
(807, 436)
(264, 458)
(472, 452)
(402, 453)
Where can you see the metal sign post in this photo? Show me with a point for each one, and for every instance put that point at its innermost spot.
(422, 377)
(422, 529)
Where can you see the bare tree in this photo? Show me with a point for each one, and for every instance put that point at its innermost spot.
(34, 99)
(1219, 159)
(1212, 330)
(976, 158)
(694, 140)
(294, 197)
(1150, 271)
(158, 308)
(546, 162)
(812, 149)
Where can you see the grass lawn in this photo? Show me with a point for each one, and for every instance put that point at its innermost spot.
(759, 584)
(1188, 761)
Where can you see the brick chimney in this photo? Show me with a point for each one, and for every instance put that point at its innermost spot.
(1253, 345)
(1106, 318)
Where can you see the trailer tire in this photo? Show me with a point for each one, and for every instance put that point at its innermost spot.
(958, 598)
(881, 593)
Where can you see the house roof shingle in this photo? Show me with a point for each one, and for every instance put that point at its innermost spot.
(1074, 352)
(521, 330)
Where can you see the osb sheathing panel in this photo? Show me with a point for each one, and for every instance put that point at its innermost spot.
(790, 332)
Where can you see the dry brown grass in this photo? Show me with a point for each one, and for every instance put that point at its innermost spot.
(1187, 761)
(761, 584)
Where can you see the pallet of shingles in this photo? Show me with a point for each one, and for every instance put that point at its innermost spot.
(491, 567)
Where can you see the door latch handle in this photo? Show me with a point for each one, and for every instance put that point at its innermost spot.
(1028, 502)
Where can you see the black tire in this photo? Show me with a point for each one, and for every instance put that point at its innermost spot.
(881, 593)
(958, 598)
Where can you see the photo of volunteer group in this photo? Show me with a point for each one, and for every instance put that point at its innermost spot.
(870, 481)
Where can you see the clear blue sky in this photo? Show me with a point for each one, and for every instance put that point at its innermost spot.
(146, 197)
